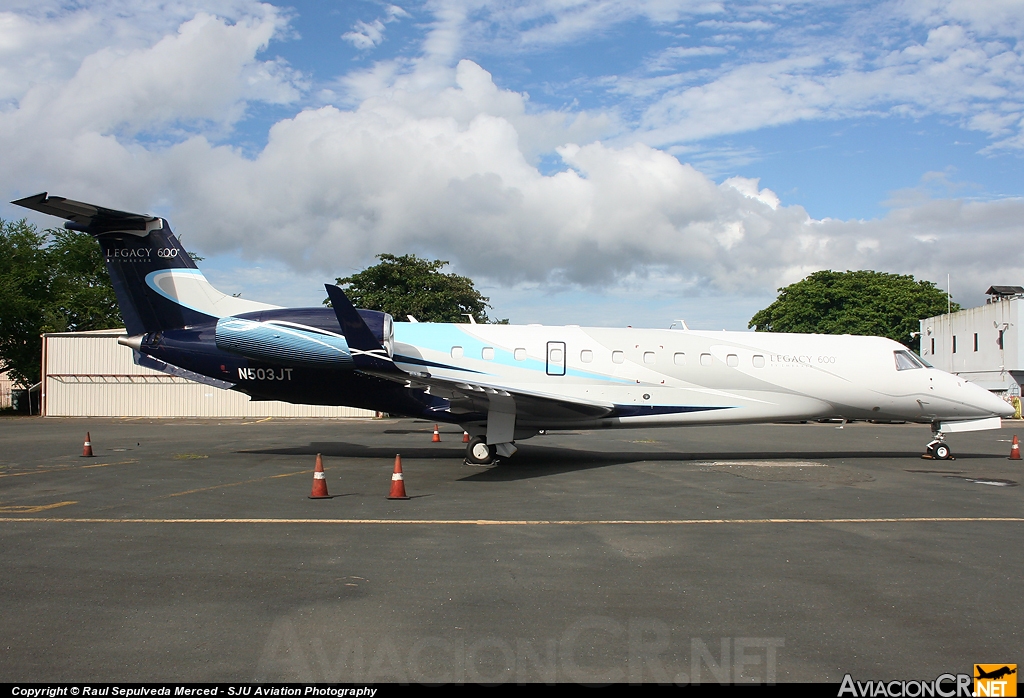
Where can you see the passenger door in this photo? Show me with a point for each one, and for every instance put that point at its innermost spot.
(556, 359)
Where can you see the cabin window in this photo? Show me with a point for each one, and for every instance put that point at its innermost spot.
(732, 360)
(758, 361)
(648, 357)
(905, 360)
(519, 354)
(679, 359)
(555, 356)
(456, 352)
(705, 359)
(487, 353)
(586, 356)
(618, 357)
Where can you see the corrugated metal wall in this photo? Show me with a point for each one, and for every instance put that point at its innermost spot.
(88, 374)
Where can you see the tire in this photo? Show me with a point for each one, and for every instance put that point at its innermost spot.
(942, 452)
(479, 452)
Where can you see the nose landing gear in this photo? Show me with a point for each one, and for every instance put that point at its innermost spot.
(938, 449)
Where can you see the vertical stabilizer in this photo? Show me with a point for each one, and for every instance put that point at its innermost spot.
(158, 286)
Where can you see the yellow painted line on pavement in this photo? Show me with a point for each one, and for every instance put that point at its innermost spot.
(103, 465)
(44, 471)
(514, 522)
(230, 484)
(258, 421)
(30, 508)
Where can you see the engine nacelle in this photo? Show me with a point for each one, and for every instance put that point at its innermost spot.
(298, 336)
(282, 342)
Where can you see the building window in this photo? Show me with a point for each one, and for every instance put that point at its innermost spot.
(975, 341)
(932, 352)
(999, 339)
(954, 344)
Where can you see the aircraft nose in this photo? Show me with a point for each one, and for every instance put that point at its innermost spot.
(984, 400)
(1005, 409)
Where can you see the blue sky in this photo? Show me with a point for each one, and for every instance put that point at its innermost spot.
(599, 162)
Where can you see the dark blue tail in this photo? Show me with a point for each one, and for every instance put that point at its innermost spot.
(158, 286)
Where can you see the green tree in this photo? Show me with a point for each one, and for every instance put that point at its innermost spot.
(854, 302)
(411, 285)
(50, 281)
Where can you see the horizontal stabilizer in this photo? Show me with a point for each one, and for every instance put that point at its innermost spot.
(156, 364)
(88, 217)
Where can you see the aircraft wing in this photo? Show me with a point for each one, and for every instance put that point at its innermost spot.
(464, 397)
(475, 397)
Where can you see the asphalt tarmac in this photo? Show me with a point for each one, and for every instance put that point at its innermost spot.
(188, 550)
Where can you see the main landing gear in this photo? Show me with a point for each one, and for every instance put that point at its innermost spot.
(479, 452)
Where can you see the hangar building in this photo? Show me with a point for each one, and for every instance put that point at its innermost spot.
(981, 344)
(88, 374)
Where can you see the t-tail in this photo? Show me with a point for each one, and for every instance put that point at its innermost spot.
(157, 283)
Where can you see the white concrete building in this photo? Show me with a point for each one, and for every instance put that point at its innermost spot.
(981, 344)
(88, 374)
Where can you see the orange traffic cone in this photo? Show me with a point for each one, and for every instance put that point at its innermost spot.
(465, 437)
(87, 446)
(1015, 449)
(437, 436)
(319, 481)
(398, 481)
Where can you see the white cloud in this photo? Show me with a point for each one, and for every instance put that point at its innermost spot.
(670, 57)
(952, 73)
(46, 40)
(757, 25)
(999, 17)
(748, 187)
(365, 35)
(438, 160)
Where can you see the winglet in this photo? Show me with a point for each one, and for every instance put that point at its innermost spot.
(367, 351)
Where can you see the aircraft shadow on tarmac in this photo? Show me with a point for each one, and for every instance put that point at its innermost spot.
(538, 461)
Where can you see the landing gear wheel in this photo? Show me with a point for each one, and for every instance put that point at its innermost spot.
(479, 452)
(941, 451)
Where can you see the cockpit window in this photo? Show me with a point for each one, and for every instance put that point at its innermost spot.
(906, 360)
